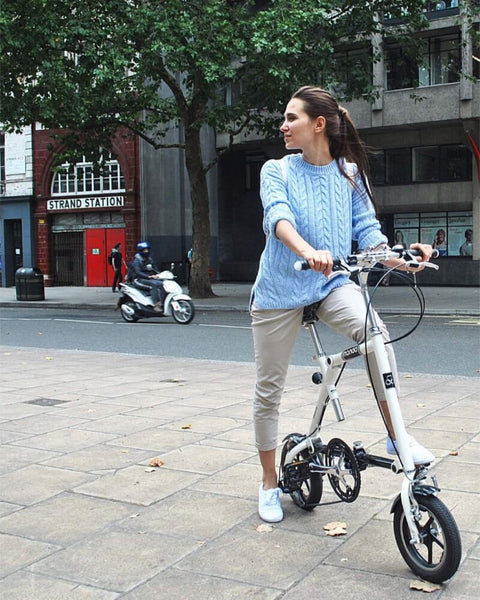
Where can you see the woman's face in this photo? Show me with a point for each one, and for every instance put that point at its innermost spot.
(298, 128)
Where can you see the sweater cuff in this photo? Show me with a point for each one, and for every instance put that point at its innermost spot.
(278, 212)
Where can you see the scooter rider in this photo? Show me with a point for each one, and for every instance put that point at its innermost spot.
(144, 272)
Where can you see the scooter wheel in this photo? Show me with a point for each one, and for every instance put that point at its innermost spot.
(437, 554)
(184, 313)
(128, 312)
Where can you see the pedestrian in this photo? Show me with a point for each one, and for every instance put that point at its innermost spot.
(115, 259)
(189, 265)
(315, 204)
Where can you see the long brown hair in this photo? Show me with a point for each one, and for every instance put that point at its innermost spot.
(344, 141)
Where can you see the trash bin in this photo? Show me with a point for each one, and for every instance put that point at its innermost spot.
(29, 284)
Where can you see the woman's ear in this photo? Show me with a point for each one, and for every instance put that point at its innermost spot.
(320, 123)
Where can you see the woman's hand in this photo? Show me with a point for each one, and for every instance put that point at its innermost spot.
(400, 263)
(425, 249)
(319, 260)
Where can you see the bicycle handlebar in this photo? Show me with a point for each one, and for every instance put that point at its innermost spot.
(370, 257)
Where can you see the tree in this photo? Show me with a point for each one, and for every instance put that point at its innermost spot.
(145, 66)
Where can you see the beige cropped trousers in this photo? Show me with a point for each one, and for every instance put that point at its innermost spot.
(274, 336)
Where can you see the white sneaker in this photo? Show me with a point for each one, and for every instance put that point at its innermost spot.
(269, 505)
(420, 455)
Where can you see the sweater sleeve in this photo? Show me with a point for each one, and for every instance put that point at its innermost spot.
(365, 225)
(273, 192)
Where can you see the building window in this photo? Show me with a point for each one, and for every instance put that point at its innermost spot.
(354, 67)
(82, 178)
(455, 163)
(377, 167)
(425, 163)
(401, 69)
(440, 5)
(442, 61)
(398, 166)
(450, 162)
(253, 166)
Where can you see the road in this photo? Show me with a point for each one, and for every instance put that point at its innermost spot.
(441, 345)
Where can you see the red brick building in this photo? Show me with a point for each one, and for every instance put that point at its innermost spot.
(80, 214)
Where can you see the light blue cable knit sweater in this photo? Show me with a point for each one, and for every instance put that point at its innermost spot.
(327, 212)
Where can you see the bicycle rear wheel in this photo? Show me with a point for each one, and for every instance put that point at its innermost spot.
(437, 555)
(304, 487)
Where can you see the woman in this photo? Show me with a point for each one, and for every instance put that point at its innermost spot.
(312, 211)
(440, 242)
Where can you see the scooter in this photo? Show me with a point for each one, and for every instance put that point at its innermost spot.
(136, 302)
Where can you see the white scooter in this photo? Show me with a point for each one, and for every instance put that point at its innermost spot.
(136, 302)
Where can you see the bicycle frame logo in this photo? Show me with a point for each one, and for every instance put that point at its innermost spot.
(388, 380)
(352, 352)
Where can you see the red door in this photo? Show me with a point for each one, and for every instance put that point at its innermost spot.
(98, 245)
(95, 248)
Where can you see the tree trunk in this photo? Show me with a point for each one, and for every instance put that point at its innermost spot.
(199, 286)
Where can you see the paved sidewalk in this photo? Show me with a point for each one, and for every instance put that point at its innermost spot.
(83, 515)
(235, 296)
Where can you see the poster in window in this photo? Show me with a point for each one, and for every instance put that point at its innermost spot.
(460, 234)
(405, 229)
(405, 237)
(433, 230)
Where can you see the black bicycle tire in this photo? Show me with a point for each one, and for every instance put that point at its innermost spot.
(303, 501)
(452, 553)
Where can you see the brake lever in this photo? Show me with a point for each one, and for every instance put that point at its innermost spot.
(416, 264)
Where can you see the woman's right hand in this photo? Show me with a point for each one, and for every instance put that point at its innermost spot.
(319, 260)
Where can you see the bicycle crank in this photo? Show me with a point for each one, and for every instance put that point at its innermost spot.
(345, 479)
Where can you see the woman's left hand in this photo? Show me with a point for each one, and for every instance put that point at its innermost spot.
(426, 251)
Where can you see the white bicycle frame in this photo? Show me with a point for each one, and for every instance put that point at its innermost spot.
(331, 369)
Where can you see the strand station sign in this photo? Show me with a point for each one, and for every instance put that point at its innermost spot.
(87, 203)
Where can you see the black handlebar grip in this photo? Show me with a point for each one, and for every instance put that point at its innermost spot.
(302, 265)
(413, 252)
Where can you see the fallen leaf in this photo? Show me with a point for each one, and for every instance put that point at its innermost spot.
(424, 586)
(156, 462)
(186, 426)
(421, 405)
(264, 528)
(335, 528)
(408, 376)
(453, 453)
(336, 531)
(48, 358)
(149, 470)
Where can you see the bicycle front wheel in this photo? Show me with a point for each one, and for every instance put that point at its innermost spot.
(437, 555)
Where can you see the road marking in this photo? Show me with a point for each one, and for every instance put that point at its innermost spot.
(82, 321)
(464, 322)
(224, 326)
(24, 319)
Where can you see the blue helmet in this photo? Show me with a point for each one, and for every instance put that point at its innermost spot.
(142, 246)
